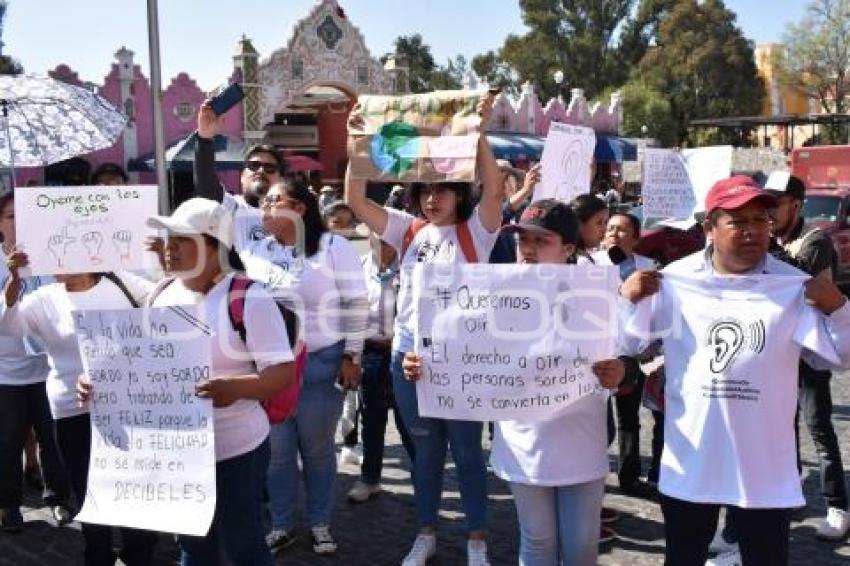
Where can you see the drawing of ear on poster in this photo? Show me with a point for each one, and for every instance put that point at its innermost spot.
(152, 463)
(84, 229)
(505, 342)
(566, 162)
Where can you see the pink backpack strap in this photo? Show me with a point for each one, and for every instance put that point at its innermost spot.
(410, 233)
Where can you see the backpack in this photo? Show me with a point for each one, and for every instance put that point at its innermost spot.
(464, 238)
(283, 404)
(111, 276)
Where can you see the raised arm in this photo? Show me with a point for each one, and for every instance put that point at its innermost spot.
(367, 210)
(207, 184)
(493, 188)
(532, 177)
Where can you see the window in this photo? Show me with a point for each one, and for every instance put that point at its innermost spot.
(363, 75)
(184, 111)
(297, 70)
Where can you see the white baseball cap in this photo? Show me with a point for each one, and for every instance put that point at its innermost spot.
(197, 216)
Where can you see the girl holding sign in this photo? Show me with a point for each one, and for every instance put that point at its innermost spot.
(46, 313)
(555, 468)
(452, 231)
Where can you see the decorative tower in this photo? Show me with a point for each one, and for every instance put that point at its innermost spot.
(246, 60)
(397, 68)
(126, 76)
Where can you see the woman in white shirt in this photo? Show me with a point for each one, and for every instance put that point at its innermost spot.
(556, 468)
(453, 231)
(24, 406)
(592, 214)
(46, 313)
(317, 275)
(244, 372)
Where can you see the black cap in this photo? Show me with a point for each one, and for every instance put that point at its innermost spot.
(548, 215)
(794, 187)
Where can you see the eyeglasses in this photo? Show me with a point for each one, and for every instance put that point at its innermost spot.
(254, 166)
(274, 199)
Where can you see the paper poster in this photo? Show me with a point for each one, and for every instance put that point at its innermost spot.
(566, 162)
(152, 462)
(503, 342)
(427, 137)
(675, 184)
(84, 229)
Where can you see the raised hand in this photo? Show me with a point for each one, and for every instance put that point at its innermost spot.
(93, 241)
(57, 245)
(122, 239)
(16, 260)
(208, 123)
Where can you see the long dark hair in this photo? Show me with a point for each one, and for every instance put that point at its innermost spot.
(463, 191)
(585, 207)
(5, 200)
(314, 226)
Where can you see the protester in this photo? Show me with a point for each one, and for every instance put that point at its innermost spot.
(338, 218)
(109, 174)
(621, 236)
(376, 394)
(731, 370)
(46, 313)
(810, 249)
(558, 499)
(592, 214)
(453, 231)
(244, 372)
(517, 199)
(24, 407)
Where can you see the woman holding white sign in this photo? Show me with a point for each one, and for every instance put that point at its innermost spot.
(452, 231)
(47, 313)
(558, 498)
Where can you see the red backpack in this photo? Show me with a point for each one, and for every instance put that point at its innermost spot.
(464, 238)
(284, 403)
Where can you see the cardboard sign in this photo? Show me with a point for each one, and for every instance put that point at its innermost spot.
(152, 462)
(504, 342)
(566, 162)
(429, 137)
(84, 229)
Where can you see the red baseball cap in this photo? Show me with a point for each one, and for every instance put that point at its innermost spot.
(735, 192)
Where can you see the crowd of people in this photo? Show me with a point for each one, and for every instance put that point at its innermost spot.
(290, 249)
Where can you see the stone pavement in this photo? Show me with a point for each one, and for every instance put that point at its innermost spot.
(380, 531)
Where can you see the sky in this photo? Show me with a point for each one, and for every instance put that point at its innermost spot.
(199, 36)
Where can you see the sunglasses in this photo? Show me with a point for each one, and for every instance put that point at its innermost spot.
(254, 166)
(272, 200)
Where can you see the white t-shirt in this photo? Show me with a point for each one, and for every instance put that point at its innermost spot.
(47, 313)
(327, 290)
(569, 449)
(437, 244)
(732, 347)
(242, 426)
(22, 360)
(382, 288)
(247, 220)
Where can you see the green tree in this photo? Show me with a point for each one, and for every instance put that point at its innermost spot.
(646, 113)
(451, 76)
(416, 55)
(9, 66)
(491, 69)
(816, 58)
(703, 64)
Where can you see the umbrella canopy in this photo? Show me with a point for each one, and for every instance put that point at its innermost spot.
(229, 156)
(526, 147)
(47, 121)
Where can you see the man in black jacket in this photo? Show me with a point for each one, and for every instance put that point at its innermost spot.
(811, 250)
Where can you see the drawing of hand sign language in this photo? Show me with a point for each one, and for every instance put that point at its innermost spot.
(57, 245)
(93, 241)
(122, 239)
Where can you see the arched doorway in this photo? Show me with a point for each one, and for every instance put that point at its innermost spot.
(314, 124)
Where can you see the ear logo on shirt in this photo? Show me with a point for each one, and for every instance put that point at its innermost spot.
(257, 234)
(727, 336)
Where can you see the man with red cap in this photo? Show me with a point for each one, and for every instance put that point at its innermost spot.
(734, 322)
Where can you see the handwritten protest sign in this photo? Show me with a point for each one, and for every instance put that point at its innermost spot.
(84, 229)
(429, 137)
(675, 184)
(152, 438)
(508, 341)
(566, 161)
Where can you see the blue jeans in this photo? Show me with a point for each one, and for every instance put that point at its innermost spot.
(558, 524)
(311, 434)
(376, 400)
(237, 526)
(430, 438)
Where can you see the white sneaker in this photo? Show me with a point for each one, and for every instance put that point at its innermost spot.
(424, 548)
(476, 553)
(732, 558)
(351, 455)
(720, 545)
(323, 541)
(835, 526)
(361, 492)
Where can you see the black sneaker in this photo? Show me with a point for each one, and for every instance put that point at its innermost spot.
(323, 542)
(279, 539)
(11, 520)
(642, 490)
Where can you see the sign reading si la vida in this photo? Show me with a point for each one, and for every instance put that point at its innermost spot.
(566, 162)
(84, 229)
(505, 342)
(152, 438)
